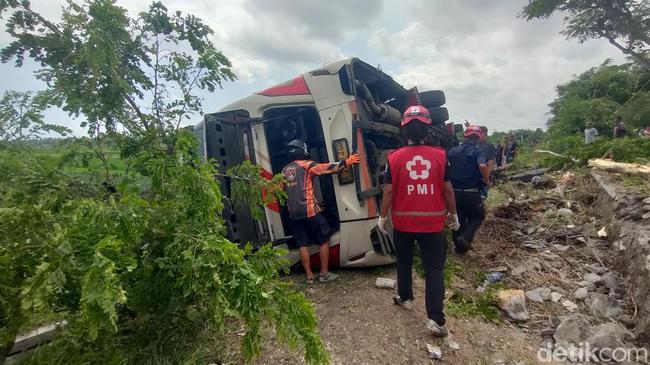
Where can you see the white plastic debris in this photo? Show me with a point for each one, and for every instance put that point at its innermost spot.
(385, 283)
(602, 233)
(434, 352)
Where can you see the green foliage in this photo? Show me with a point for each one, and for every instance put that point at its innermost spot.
(624, 23)
(524, 137)
(475, 305)
(596, 96)
(120, 233)
(249, 188)
(621, 149)
(21, 117)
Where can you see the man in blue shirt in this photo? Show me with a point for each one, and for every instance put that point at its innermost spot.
(469, 172)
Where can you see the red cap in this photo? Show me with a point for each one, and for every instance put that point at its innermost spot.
(473, 130)
(416, 112)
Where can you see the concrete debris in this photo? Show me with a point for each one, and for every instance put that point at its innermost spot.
(607, 337)
(434, 352)
(453, 345)
(604, 306)
(569, 305)
(385, 283)
(573, 329)
(602, 233)
(581, 294)
(555, 297)
(513, 302)
(538, 295)
(609, 280)
(592, 278)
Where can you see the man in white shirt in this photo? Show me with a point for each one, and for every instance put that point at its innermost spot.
(590, 133)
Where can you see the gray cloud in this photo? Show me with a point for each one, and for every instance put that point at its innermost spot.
(496, 68)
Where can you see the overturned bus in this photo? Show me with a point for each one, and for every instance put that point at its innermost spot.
(342, 107)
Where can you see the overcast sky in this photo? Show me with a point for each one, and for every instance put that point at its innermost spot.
(495, 68)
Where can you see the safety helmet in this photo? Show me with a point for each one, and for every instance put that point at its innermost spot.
(473, 130)
(416, 112)
(297, 145)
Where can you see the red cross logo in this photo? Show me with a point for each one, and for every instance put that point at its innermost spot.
(418, 168)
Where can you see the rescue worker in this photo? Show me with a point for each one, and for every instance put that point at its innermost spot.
(420, 198)
(308, 224)
(469, 172)
(490, 155)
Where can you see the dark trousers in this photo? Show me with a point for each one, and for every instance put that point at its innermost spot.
(471, 214)
(433, 251)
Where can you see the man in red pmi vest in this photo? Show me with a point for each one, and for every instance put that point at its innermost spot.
(308, 224)
(421, 199)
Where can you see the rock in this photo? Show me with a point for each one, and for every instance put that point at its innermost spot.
(555, 297)
(646, 200)
(607, 338)
(434, 352)
(555, 320)
(561, 248)
(572, 330)
(569, 305)
(582, 240)
(592, 278)
(565, 212)
(559, 290)
(602, 233)
(453, 345)
(604, 306)
(609, 280)
(581, 294)
(534, 246)
(646, 216)
(385, 283)
(584, 283)
(538, 295)
(513, 302)
(646, 208)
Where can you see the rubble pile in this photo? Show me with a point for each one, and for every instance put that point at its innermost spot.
(558, 245)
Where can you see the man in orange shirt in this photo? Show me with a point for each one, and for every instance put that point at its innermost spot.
(308, 225)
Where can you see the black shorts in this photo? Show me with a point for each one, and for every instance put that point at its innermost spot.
(314, 230)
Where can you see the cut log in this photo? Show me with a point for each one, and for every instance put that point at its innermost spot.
(621, 167)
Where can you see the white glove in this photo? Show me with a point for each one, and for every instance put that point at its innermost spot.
(452, 222)
(381, 223)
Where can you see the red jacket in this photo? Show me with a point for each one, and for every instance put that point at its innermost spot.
(418, 179)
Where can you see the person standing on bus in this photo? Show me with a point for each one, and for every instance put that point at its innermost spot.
(420, 198)
(308, 224)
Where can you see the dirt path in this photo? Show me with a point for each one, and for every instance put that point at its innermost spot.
(360, 325)
(543, 239)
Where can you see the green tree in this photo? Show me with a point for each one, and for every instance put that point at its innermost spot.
(597, 95)
(624, 23)
(21, 117)
(134, 259)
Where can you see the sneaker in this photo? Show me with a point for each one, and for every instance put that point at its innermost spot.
(436, 329)
(462, 246)
(406, 304)
(327, 277)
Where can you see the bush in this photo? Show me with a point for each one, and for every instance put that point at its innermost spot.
(137, 264)
(622, 149)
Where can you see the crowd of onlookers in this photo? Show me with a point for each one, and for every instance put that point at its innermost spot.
(620, 131)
